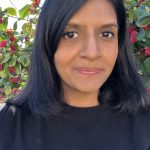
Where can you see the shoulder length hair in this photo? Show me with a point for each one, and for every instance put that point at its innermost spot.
(43, 94)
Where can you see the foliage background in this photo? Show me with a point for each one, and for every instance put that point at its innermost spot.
(16, 46)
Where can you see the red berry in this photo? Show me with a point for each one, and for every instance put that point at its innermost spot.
(147, 27)
(133, 38)
(12, 38)
(147, 51)
(11, 70)
(15, 79)
(132, 33)
(3, 44)
(1, 67)
(12, 48)
(131, 29)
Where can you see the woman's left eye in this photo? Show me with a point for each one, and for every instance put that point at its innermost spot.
(107, 35)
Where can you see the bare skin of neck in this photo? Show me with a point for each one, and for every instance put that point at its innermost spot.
(74, 98)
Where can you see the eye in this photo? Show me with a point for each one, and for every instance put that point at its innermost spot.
(107, 35)
(70, 35)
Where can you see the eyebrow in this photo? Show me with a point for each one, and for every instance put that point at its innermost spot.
(108, 25)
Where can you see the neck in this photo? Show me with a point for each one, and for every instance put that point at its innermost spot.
(82, 99)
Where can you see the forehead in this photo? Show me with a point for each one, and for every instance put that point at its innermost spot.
(95, 11)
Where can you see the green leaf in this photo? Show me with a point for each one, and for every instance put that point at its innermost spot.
(147, 66)
(148, 34)
(15, 26)
(143, 11)
(1, 38)
(21, 60)
(27, 28)
(3, 82)
(23, 84)
(141, 35)
(130, 3)
(7, 57)
(27, 63)
(24, 75)
(18, 69)
(12, 61)
(3, 74)
(21, 38)
(23, 12)
(4, 25)
(7, 89)
(132, 15)
(142, 22)
(11, 11)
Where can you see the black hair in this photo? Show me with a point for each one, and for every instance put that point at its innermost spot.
(123, 91)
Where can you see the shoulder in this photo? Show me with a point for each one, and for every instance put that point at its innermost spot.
(143, 118)
(7, 119)
(11, 115)
(6, 111)
(142, 128)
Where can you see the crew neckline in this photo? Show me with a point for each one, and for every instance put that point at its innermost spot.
(84, 112)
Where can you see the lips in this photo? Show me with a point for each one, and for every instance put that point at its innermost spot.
(89, 71)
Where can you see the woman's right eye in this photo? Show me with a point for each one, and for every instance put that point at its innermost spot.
(70, 35)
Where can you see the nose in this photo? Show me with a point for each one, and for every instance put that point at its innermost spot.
(91, 48)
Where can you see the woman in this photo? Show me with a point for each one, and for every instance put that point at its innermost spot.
(83, 91)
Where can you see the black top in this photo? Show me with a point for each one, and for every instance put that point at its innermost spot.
(93, 128)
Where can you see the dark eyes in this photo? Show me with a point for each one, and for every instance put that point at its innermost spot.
(73, 35)
(70, 35)
(107, 34)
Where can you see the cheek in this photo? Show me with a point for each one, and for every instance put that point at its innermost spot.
(60, 56)
(59, 60)
(111, 55)
(62, 60)
(66, 54)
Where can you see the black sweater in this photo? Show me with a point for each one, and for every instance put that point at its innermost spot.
(93, 128)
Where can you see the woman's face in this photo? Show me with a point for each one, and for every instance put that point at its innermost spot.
(87, 52)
